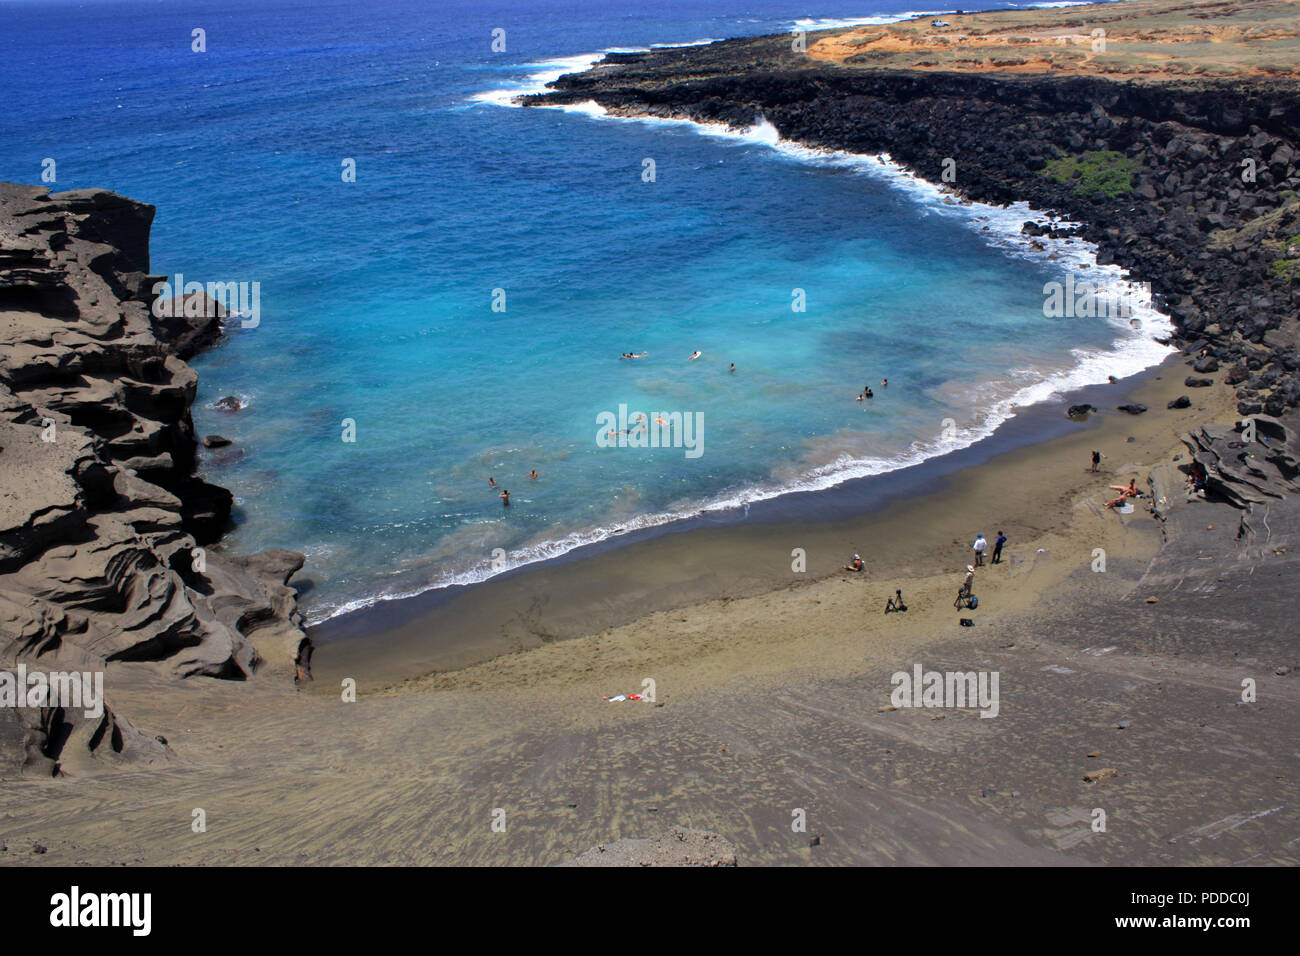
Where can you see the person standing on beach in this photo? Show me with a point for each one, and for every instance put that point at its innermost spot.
(978, 547)
(997, 547)
(1096, 459)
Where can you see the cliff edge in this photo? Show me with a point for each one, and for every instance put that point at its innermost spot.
(109, 553)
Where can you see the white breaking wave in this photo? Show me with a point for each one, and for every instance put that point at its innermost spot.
(839, 23)
(1134, 349)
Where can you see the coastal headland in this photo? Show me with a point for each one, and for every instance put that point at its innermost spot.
(1145, 658)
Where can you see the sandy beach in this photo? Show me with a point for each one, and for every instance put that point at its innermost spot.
(765, 704)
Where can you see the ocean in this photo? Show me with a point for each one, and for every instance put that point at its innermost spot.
(459, 310)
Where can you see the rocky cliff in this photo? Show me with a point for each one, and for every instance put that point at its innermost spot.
(1191, 185)
(109, 543)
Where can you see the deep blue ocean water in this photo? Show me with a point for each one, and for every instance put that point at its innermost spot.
(377, 295)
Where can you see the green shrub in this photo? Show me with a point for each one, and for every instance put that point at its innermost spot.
(1099, 171)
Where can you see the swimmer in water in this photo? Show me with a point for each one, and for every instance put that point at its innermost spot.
(694, 355)
(884, 383)
(492, 482)
(505, 498)
(533, 474)
(733, 366)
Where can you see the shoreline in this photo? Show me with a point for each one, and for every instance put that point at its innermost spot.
(1109, 279)
(618, 582)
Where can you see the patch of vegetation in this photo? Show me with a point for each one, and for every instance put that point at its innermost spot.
(1105, 171)
(1288, 269)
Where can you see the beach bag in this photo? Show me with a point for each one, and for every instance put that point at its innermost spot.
(973, 603)
(967, 622)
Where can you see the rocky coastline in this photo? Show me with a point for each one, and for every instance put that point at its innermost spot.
(1192, 185)
(110, 553)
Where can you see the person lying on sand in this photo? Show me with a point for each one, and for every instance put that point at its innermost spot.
(1130, 490)
(1115, 502)
(855, 564)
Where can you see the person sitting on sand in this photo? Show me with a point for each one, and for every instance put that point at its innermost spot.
(1117, 501)
(855, 565)
(1130, 490)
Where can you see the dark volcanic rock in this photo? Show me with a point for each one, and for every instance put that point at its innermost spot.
(1079, 411)
(188, 325)
(229, 404)
(1193, 382)
(216, 441)
(1133, 408)
(103, 523)
(1182, 401)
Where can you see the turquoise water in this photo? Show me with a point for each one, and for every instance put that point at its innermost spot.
(377, 295)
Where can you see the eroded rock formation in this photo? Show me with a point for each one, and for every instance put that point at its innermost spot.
(108, 540)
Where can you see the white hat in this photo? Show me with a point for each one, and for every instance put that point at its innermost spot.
(971, 568)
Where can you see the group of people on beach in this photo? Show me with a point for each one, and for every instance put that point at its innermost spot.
(1125, 491)
(978, 547)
